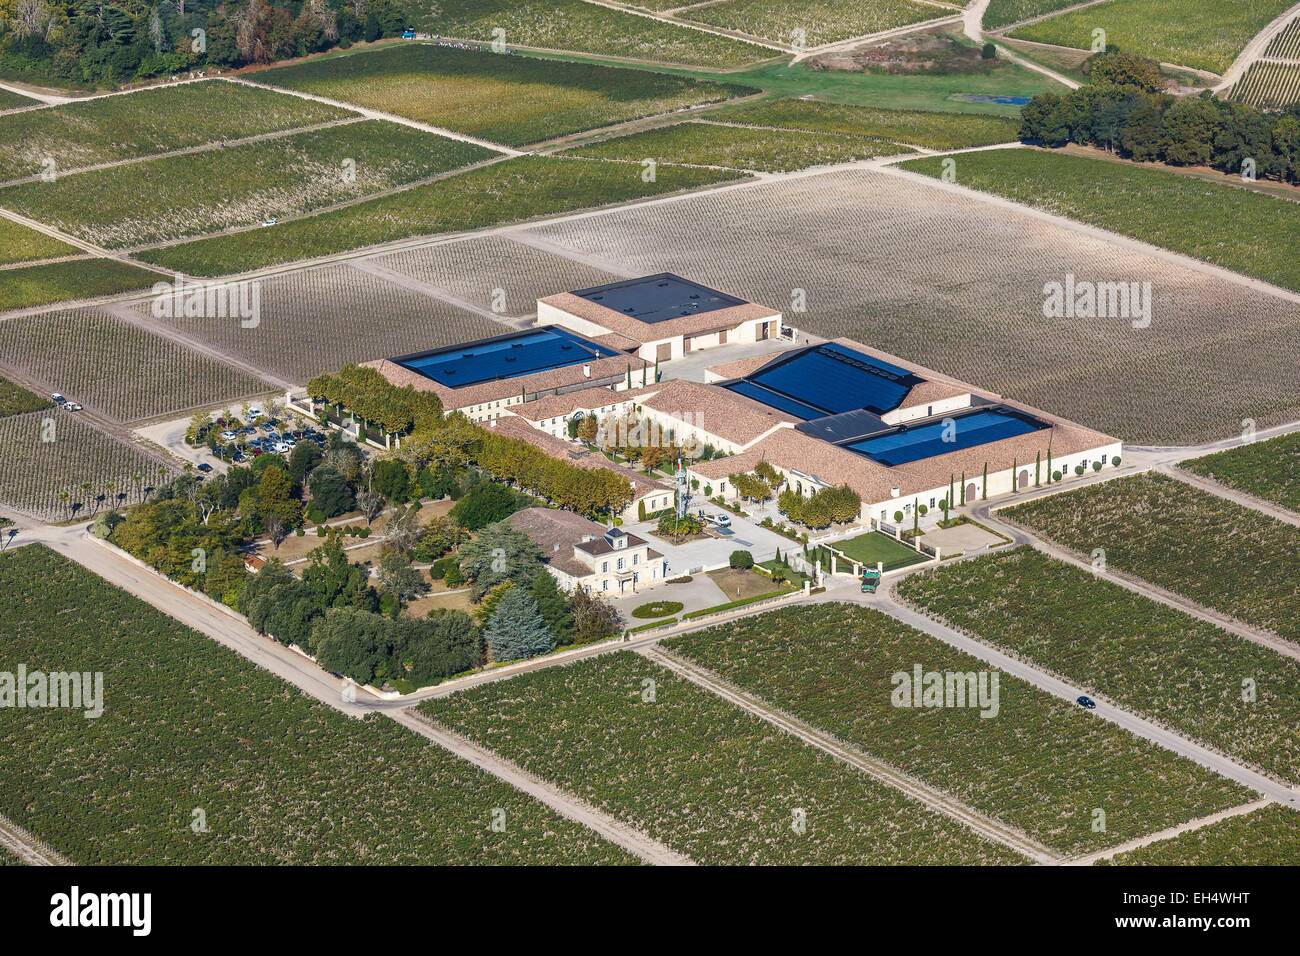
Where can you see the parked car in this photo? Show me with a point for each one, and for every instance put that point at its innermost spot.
(270, 222)
(58, 399)
(70, 407)
(228, 435)
(1083, 700)
(254, 412)
(204, 467)
(717, 520)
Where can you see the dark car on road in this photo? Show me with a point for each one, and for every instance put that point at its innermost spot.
(1083, 700)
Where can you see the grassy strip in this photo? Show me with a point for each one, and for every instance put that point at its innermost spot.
(875, 546)
(179, 197)
(16, 400)
(1181, 672)
(1212, 551)
(513, 100)
(19, 243)
(147, 122)
(1267, 469)
(1199, 219)
(818, 21)
(736, 147)
(517, 189)
(697, 773)
(1204, 36)
(12, 101)
(833, 665)
(1269, 836)
(914, 127)
(663, 622)
(1001, 13)
(75, 279)
(731, 605)
(185, 720)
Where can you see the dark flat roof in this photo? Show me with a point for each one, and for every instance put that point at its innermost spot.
(504, 356)
(658, 298)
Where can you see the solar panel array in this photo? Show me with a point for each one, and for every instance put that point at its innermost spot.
(506, 356)
(942, 437)
(827, 380)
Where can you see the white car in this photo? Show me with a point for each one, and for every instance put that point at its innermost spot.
(70, 407)
(270, 222)
(228, 436)
(280, 447)
(254, 413)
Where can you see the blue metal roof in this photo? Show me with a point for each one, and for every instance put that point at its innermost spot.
(825, 380)
(504, 356)
(939, 437)
(659, 298)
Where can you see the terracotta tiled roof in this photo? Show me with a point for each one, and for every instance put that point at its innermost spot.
(741, 367)
(699, 324)
(586, 399)
(716, 410)
(556, 533)
(929, 392)
(575, 454)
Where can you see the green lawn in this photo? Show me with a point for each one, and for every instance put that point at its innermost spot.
(506, 99)
(911, 127)
(1215, 552)
(737, 147)
(12, 101)
(147, 122)
(518, 189)
(1266, 469)
(179, 197)
(189, 726)
(1200, 219)
(76, 279)
(19, 243)
(1206, 36)
(819, 21)
(1269, 836)
(874, 546)
(832, 665)
(699, 774)
(1181, 672)
(16, 400)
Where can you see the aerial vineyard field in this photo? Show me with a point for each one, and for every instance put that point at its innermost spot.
(818, 22)
(697, 773)
(587, 28)
(178, 197)
(1167, 532)
(19, 243)
(956, 284)
(1266, 469)
(1204, 36)
(151, 121)
(506, 99)
(189, 725)
(517, 277)
(1001, 13)
(1269, 836)
(909, 127)
(48, 452)
(1197, 218)
(116, 367)
(16, 400)
(75, 279)
(1198, 679)
(1269, 85)
(1286, 45)
(1039, 763)
(345, 314)
(736, 147)
(521, 188)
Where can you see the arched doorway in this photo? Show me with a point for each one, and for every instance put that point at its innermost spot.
(970, 492)
(1023, 479)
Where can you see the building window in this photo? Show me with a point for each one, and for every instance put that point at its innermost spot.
(621, 562)
(604, 585)
(604, 567)
(636, 558)
(931, 502)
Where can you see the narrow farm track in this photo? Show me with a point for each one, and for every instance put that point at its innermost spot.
(1219, 490)
(1255, 49)
(1189, 827)
(896, 32)
(691, 25)
(567, 805)
(1044, 16)
(29, 849)
(932, 798)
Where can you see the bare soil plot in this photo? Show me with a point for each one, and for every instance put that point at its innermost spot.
(493, 272)
(957, 284)
(118, 368)
(317, 321)
(48, 452)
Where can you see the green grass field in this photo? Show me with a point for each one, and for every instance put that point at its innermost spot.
(1001, 13)
(820, 21)
(150, 121)
(874, 546)
(18, 243)
(1181, 213)
(587, 28)
(736, 147)
(16, 400)
(1196, 544)
(76, 279)
(518, 189)
(179, 197)
(188, 725)
(700, 774)
(13, 101)
(1175, 669)
(1266, 469)
(506, 99)
(1269, 836)
(910, 127)
(1039, 764)
(1205, 36)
